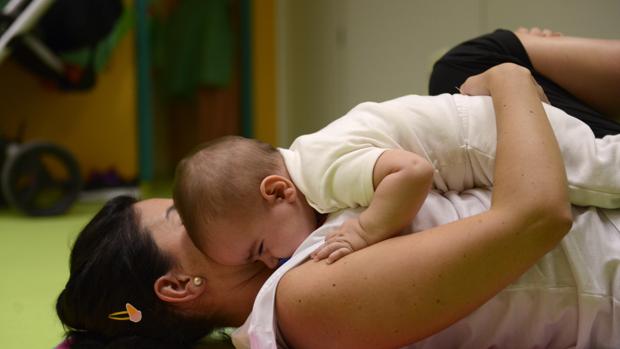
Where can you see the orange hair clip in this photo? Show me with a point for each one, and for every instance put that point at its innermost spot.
(131, 313)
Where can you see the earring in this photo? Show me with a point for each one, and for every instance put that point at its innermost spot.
(197, 281)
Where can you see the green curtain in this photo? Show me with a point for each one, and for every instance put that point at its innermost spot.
(193, 46)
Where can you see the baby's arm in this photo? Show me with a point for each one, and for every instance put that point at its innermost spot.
(401, 180)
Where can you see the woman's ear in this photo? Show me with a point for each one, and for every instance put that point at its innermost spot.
(176, 288)
(274, 188)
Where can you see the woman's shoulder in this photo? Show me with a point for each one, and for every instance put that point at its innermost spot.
(306, 290)
(305, 303)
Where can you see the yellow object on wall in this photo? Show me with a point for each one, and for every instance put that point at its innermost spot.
(97, 126)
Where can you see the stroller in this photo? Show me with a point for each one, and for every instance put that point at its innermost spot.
(42, 178)
(37, 178)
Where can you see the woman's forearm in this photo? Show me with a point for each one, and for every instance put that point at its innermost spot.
(587, 68)
(529, 169)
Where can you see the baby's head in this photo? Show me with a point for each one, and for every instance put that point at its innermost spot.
(238, 203)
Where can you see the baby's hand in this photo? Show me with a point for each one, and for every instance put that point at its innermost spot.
(342, 241)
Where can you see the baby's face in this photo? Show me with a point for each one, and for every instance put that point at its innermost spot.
(246, 241)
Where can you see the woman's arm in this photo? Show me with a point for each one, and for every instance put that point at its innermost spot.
(407, 288)
(587, 68)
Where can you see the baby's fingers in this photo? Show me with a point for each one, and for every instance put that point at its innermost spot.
(339, 253)
(329, 248)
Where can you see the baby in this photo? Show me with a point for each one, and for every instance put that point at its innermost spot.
(240, 204)
(242, 200)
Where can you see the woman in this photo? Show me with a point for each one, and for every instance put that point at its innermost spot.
(130, 249)
(145, 247)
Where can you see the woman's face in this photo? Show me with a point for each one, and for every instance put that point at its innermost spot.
(229, 291)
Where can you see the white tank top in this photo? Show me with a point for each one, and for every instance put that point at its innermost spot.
(569, 299)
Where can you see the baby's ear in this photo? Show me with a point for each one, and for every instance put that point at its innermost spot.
(275, 187)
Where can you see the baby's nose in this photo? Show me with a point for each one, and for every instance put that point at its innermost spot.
(270, 261)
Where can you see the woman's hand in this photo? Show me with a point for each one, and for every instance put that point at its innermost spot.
(479, 85)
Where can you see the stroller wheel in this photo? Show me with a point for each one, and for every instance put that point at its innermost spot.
(41, 179)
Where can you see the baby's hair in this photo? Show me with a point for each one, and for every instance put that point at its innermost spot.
(221, 176)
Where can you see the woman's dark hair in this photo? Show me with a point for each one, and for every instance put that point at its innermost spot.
(113, 262)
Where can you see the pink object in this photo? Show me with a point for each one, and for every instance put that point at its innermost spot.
(66, 344)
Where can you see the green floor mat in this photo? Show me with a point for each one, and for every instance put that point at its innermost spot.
(34, 266)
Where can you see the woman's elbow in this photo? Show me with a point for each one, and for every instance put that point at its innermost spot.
(564, 219)
(556, 220)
